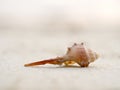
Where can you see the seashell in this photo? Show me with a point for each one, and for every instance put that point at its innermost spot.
(78, 53)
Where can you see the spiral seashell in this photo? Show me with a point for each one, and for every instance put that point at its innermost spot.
(78, 53)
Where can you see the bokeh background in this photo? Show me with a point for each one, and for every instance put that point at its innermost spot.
(32, 30)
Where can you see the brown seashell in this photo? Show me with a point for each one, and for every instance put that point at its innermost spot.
(78, 53)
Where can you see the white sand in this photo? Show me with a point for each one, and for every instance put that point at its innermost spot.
(18, 47)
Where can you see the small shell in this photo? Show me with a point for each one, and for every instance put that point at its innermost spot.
(78, 53)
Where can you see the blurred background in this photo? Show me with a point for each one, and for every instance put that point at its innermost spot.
(50, 22)
(59, 15)
(31, 30)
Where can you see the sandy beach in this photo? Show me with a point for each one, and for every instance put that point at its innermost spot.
(18, 48)
(40, 30)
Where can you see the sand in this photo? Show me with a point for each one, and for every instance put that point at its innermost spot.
(18, 47)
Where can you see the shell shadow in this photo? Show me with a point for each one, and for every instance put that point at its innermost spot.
(54, 67)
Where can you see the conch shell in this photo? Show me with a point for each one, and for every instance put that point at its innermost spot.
(78, 53)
